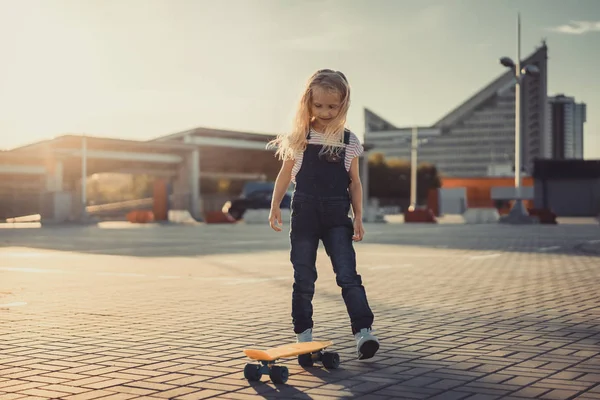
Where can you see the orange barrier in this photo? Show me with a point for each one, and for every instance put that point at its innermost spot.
(420, 215)
(140, 216)
(544, 215)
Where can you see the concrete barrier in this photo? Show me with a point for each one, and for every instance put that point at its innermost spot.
(372, 214)
(481, 216)
(181, 217)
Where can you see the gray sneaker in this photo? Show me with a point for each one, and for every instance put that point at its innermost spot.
(305, 336)
(366, 344)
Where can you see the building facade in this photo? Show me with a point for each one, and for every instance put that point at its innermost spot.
(565, 128)
(478, 137)
(568, 187)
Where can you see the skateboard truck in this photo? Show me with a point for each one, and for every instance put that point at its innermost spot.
(330, 360)
(278, 374)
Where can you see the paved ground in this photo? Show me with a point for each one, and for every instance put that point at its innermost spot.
(158, 312)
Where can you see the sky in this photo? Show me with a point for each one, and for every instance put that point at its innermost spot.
(140, 69)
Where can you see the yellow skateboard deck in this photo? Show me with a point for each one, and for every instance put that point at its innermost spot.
(288, 350)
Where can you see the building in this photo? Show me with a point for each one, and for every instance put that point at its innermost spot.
(46, 177)
(477, 138)
(568, 187)
(565, 119)
(201, 167)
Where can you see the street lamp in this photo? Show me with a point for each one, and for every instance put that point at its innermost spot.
(518, 213)
(414, 146)
(84, 161)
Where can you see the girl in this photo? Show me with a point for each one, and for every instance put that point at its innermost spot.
(321, 157)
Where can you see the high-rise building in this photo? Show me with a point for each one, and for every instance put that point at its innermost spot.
(564, 128)
(478, 137)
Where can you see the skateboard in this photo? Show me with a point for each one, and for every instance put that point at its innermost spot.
(307, 352)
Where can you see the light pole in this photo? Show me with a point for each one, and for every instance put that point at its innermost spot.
(518, 213)
(413, 170)
(84, 160)
(414, 146)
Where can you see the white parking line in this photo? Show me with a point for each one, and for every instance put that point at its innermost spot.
(119, 274)
(33, 270)
(549, 248)
(15, 304)
(485, 256)
(38, 254)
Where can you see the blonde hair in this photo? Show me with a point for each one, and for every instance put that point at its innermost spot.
(288, 145)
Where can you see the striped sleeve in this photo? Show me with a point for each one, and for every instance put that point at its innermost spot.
(355, 148)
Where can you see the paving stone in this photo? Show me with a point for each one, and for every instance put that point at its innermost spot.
(463, 312)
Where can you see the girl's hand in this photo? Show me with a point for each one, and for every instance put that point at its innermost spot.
(359, 230)
(275, 219)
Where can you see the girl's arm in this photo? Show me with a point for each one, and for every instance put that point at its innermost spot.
(356, 191)
(282, 183)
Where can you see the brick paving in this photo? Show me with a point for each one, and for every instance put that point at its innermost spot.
(163, 312)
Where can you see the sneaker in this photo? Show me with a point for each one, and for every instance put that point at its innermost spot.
(366, 344)
(305, 336)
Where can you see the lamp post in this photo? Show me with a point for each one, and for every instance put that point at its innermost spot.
(84, 160)
(414, 147)
(518, 213)
(413, 170)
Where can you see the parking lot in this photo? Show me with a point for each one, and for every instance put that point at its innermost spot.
(122, 311)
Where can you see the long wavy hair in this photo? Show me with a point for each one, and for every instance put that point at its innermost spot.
(290, 144)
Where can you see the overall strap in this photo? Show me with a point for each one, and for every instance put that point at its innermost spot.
(346, 136)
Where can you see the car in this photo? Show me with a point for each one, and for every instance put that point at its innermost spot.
(254, 198)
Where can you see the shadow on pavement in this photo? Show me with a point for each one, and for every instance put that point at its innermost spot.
(491, 358)
(271, 391)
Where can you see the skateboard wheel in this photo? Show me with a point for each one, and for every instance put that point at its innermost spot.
(331, 360)
(252, 372)
(305, 360)
(278, 374)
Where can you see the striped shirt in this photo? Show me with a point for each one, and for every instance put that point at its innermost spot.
(353, 149)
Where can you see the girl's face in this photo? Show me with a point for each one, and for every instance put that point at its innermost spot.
(325, 106)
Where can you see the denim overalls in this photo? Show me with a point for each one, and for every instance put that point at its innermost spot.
(320, 207)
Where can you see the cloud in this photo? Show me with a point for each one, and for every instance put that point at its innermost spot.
(578, 27)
